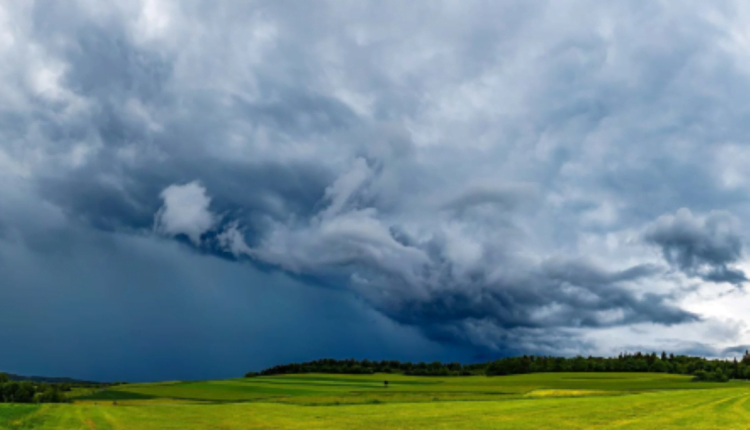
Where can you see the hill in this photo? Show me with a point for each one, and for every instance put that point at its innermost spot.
(323, 401)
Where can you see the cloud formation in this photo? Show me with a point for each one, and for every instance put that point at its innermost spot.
(185, 211)
(451, 287)
(505, 176)
(700, 247)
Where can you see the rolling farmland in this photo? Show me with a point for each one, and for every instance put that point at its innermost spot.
(536, 401)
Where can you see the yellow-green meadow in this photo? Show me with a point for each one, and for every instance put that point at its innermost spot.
(536, 401)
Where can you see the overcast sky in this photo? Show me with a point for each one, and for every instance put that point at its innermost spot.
(196, 189)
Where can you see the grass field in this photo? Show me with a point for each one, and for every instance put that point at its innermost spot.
(538, 401)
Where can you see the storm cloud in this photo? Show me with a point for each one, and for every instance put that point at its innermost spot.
(492, 177)
(446, 285)
(700, 247)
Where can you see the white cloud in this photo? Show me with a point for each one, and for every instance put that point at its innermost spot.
(185, 211)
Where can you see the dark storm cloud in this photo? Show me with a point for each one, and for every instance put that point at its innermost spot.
(558, 295)
(471, 171)
(159, 320)
(575, 294)
(271, 189)
(700, 247)
(109, 306)
(418, 284)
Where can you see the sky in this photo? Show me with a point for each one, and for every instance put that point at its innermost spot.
(196, 189)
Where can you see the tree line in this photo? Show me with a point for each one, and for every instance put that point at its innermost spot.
(42, 390)
(31, 392)
(702, 369)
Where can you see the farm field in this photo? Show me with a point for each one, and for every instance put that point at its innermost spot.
(536, 401)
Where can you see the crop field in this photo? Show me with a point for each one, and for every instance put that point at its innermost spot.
(537, 401)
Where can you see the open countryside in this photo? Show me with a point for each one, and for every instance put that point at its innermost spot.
(325, 401)
(374, 214)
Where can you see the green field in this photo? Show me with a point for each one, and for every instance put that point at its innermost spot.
(537, 401)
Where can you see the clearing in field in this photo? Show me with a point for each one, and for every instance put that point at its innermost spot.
(536, 401)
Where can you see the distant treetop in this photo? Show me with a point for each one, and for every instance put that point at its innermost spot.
(703, 369)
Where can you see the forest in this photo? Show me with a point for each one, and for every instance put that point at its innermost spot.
(703, 369)
(30, 391)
